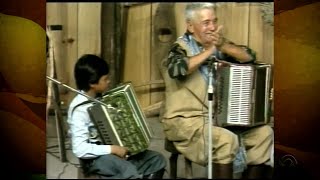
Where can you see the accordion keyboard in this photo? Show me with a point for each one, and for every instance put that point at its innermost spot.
(117, 124)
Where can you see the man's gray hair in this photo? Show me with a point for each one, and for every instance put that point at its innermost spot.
(192, 7)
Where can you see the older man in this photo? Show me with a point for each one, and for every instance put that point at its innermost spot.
(186, 105)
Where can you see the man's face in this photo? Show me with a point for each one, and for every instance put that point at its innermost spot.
(203, 25)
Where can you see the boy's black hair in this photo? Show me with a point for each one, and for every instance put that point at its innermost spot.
(88, 70)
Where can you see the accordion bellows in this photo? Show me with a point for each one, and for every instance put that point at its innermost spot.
(122, 122)
(243, 93)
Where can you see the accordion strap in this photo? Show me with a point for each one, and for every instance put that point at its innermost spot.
(83, 103)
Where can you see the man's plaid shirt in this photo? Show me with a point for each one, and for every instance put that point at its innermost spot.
(178, 60)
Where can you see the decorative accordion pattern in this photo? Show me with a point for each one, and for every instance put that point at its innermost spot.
(243, 94)
(122, 122)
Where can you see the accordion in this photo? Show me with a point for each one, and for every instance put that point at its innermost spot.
(243, 93)
(121, 122)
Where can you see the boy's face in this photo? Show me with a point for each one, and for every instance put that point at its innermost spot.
(102, 85)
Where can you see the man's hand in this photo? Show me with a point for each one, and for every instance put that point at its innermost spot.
(119, 151)
(217, 38)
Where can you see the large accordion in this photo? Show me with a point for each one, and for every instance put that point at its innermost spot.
(121, 122)
(243, 94)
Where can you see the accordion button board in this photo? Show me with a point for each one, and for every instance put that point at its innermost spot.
(122, 122)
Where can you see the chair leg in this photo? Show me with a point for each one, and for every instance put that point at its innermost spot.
(173, 165)
(188, 168)
(80, 173)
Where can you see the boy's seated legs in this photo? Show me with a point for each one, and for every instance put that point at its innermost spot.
(143, 165)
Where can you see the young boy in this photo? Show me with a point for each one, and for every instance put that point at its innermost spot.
(108, 161)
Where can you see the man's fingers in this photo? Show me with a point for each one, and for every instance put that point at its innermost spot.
(219, 29)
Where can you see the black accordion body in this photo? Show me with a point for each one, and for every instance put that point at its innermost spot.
(243, 93)
(121, 122)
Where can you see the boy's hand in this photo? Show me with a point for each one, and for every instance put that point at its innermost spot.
(119, 151)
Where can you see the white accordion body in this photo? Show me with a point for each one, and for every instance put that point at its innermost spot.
(243, 93)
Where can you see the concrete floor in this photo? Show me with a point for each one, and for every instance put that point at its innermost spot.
(69, 170)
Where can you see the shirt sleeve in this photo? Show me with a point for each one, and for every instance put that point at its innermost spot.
(223, 56)
(177, 62)
(80, 134)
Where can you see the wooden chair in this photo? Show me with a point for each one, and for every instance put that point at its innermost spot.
(169, 146)
(82, 175)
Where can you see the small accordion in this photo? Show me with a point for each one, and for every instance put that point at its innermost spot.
(243, 93)
(121, 122)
